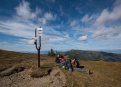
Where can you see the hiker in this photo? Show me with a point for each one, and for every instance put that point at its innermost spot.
(57, 59)
(75, 62)
(62, 62)
(69, 66)
(77, 67)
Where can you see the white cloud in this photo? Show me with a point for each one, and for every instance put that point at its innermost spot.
(27, 30)
(21, 46)
(66, 35)
(24, 11)
(117, 2)
(107, 24)
(74, 23)
(106, 33)
(31, 42)
(86, 18)
(47, 17)
(109, 16)
(52, 36)
(82, 38)
(19, 29)
(56, 39)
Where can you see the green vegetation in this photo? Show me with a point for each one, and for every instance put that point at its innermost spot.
(51, 53)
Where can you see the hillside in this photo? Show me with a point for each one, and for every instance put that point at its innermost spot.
(11, 74)
(94, 55)
(103, 74)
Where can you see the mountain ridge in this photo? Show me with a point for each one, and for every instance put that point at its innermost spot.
(94, 55)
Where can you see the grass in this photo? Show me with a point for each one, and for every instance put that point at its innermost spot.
(28, 61)
(57, 74)
(44, 70)
(9, 58)
(40, 72)
(104, 74)
(12, 71)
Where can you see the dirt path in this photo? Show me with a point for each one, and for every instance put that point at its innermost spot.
(23, 79)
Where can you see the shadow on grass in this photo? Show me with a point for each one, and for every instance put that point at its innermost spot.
(45, 67)
(81, 67)
(49, 69)
(91, 73)
(40, 72)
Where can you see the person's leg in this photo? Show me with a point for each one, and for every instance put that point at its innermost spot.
(81, 70)
(61, 64)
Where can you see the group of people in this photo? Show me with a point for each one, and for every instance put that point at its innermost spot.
(70, 64)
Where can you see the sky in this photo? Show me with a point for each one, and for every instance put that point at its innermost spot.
(67, 24)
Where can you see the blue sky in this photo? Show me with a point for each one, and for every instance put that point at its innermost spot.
(67, 24)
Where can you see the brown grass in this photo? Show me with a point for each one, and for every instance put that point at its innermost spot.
(104, 74)
(40, 72)
(11, 71)
(28, 61)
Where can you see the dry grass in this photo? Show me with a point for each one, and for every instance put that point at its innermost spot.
(11, 71)
(104, 74)
(28, 61)
(9, 58)
(40, 72)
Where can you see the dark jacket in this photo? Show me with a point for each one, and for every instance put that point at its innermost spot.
(68, 64)
(57, 60)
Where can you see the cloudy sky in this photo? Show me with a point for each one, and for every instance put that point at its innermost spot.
(67, 24)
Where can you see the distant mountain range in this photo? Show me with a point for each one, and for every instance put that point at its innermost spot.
(89, 55)
(116, 51)
(94, 55)
(104, 55)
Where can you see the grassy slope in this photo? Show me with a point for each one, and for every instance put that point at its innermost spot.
(28, 61)
(104, 74)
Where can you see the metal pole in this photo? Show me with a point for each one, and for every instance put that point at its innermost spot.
(38, 58)
(38, 46)
(39, 52)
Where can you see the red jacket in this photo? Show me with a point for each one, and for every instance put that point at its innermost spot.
(61, 59)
